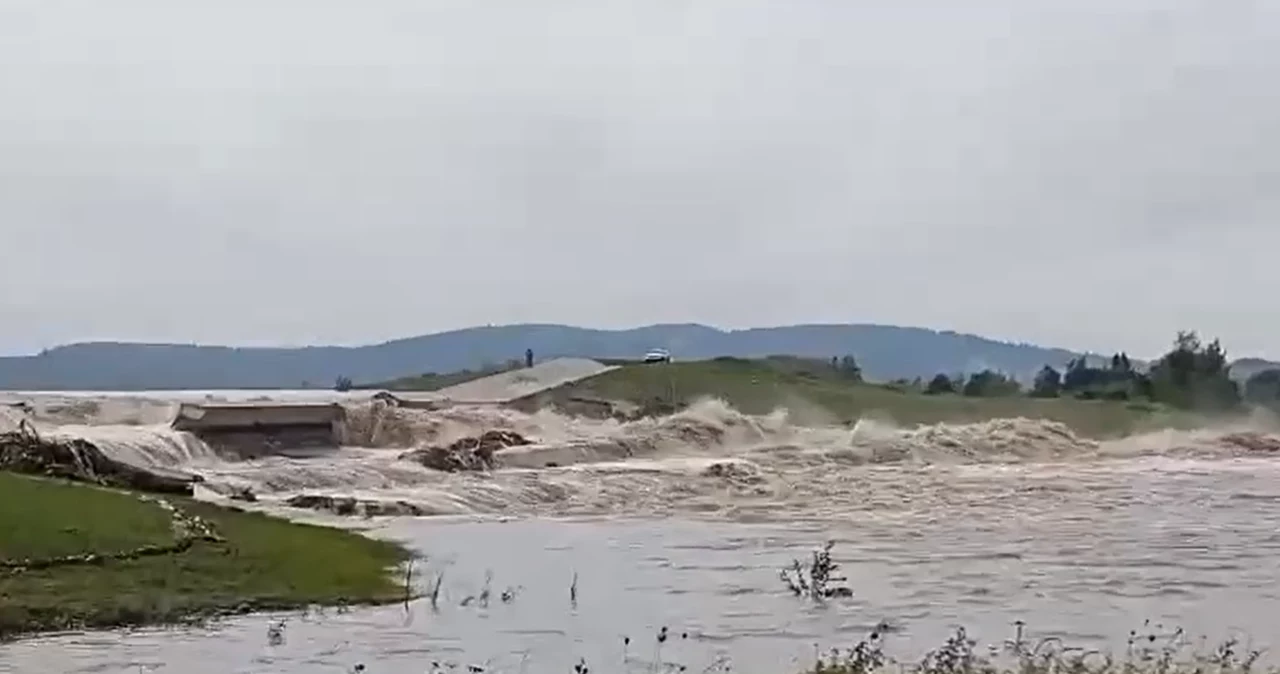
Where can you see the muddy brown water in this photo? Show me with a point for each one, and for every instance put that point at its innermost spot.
(1084, 550)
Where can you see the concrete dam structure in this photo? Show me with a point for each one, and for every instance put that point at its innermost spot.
(256, 428)
(252, 429)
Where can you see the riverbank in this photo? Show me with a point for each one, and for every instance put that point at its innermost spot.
(818, 394)
(78, 556)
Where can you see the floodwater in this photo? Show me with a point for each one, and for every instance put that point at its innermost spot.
(934, 528)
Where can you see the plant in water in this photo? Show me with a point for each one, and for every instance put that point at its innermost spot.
(1149, 652)
(433, 591)
(817, 580)
(275, 633)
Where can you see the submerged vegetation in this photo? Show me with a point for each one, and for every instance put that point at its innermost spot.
(1151, 649)
(816, 580)
(74, 555)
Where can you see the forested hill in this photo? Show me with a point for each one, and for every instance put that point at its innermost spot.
(884, 352)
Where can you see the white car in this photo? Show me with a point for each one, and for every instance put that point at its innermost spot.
(657, 356)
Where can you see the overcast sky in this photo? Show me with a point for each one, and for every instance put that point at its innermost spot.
(1084, 173)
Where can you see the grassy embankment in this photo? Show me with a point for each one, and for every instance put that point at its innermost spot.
(260, 563)
(820, 394)
(759, 386)
(430, 381)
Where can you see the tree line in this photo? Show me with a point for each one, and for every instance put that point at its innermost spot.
(1193, 374)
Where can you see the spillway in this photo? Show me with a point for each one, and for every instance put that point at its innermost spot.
(254, 429)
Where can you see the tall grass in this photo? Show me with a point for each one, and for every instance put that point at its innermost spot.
(1148, 652)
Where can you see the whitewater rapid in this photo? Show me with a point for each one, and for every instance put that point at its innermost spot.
(708, 460)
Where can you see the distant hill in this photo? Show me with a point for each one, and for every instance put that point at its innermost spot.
(885, 352)
(1244, 368)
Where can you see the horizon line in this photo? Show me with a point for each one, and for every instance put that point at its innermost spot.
(493, 326)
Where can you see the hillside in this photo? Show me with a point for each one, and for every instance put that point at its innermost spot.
(1244, 368)
(885, 352)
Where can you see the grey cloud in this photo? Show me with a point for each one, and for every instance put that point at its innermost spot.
(1073, 173)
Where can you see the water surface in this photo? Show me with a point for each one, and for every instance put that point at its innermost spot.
(1084, 550)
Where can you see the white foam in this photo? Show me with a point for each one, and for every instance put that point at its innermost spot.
(708, 458)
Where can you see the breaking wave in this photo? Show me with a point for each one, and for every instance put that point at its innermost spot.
(708, 459)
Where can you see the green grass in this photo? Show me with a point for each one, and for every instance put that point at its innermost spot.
(40, 519)
(264, 562)
(430, 381)
(821, 395)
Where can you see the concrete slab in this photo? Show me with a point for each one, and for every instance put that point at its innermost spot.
(208, 416)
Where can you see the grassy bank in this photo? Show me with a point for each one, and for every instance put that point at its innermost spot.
(430, 381)
(823, 395)
(257, 563)
(819, 394)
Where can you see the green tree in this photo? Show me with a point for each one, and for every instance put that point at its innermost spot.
(1078, 375)
(940, 383)
(989, 383)
(850, 369)
(1115, 380)
(342, 384)
(1194, 375)
(1048, 383)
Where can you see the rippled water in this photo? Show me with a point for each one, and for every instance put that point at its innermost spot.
(1084, 550)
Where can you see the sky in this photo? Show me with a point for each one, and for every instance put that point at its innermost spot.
(1080, 173)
